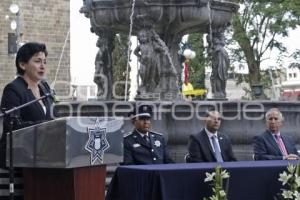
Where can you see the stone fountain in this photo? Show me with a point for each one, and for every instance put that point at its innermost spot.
(159, 25)
(165, 22)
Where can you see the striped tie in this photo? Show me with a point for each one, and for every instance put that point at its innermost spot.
(218, 154)
(281, 145)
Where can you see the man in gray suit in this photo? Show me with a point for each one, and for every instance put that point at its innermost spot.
(272, 145)
(209, 145)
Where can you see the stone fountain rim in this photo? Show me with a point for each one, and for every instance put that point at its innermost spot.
(216, 4)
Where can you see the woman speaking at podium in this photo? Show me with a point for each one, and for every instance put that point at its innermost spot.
(27, 86)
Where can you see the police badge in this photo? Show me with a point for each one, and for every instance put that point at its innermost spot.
(97, 142)
(157, 143)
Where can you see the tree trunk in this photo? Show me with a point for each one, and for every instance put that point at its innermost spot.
(253, 65)
(239, 34)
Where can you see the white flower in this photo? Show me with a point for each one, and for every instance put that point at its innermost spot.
(297, 195)
(224, 174)
(222, 193)
(284, 177)
(287, 194)
(297, 181)
(209, 177)
(217, 178)
(292, 179)
(213, 197)
(291, 168)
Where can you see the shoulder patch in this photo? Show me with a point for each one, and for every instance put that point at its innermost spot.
(155, 133)
(127, 134)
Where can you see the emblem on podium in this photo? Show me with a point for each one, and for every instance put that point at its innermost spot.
(97, 142)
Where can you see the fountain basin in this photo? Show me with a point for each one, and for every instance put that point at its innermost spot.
(242, 120)
(180, 16)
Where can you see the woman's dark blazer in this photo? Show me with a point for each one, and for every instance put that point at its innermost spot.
(16, 93)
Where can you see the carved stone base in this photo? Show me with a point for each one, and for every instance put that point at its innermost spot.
(158, 96)
(217, 99)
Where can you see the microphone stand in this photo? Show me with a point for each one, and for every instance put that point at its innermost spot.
(11, 115)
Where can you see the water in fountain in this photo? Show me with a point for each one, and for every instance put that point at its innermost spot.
(129, 46)
(166, 51)
(162, 44)
(209, 25)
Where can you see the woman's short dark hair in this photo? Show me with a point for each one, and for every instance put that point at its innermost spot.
(26, 52)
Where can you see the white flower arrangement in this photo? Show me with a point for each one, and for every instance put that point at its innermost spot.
(291, 179)
(217, 178)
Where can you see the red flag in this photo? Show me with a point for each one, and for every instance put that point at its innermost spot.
(186, 73)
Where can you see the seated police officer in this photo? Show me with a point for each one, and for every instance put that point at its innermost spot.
(143, 146)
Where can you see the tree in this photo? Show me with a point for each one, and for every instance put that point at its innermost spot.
(258, 28)
(296, 57)
(197, 65)
(120, 64)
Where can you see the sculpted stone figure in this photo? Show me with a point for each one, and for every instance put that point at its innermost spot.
(99, 77)
(148, 52)
(220, 64)
(103, 66)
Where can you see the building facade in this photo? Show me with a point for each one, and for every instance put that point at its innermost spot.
(291, 87)
(45, 21)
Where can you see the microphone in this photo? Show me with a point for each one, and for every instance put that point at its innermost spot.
(47, 90)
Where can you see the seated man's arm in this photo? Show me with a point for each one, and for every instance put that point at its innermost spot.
(194, 150)
(230, 151)
(128, 157)
(294, 151)
(167, 157)
(261, 150)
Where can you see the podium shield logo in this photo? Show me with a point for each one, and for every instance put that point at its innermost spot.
(97, 142)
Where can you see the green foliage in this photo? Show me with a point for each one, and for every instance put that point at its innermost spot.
(197, 65)
(120, 63)
(258, 30)
(296, 57)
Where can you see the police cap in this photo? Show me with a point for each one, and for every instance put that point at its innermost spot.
(141, 111)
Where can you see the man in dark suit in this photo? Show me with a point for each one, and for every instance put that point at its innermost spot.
(209, 145)
(272, 145)
(143, 146)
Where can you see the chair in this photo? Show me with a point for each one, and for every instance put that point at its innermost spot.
(187, 157)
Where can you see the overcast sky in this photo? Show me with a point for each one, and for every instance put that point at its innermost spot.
(83, 46)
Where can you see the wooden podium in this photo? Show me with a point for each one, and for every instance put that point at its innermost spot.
(85, 183)
(65, 159)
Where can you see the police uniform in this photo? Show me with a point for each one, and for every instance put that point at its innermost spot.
(138, 150)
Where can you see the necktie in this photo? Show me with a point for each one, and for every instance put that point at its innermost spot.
(281, 145)
(217, 150)
(146, 138)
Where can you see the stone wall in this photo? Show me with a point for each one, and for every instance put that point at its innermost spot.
(242, 120)
(46, 21)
